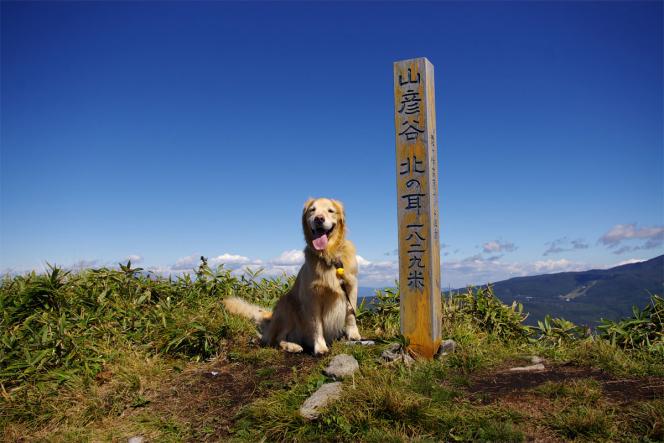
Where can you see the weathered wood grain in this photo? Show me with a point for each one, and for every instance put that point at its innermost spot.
(417, 201)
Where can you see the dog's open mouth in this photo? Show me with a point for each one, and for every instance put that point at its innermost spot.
(321, 237)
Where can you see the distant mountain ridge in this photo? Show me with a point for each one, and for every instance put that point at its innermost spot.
(582, 297)
(585, 297)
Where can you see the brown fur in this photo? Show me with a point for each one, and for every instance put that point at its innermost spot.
(315, 311)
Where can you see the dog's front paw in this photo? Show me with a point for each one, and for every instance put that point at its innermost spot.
(293, 348)
(353, 334)
(320, 348)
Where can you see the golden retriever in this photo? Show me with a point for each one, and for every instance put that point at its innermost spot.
(321, 305)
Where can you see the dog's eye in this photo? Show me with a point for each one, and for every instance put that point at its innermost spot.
(312, 209)
(331, 211)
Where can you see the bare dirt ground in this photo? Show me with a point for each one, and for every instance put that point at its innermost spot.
(505, 382)
(517, 390)
(210, 396)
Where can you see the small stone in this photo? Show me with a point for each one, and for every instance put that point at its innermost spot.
(394, 353)
(136, 439)
(448, 346)
(407, 359)
(361, 342)
(311, 408)
(537, 367)
(342, 365)
(535, 359)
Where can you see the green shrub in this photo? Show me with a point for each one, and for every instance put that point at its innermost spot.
(644, 330)
(558, 331)
(383, 315)
(62, 323)
(482, 308)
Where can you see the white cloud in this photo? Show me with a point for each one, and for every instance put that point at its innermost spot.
(491, 246)
(292, 257)
(228, 260)
(562, 265)
(498, 246)
(165, 270)
(186, 263)
(564, 245)
(134, 258)
(9, 272)
(84, 264)
(191, 262)
(650, 237)
(381, 273)
(362, 261)
(477, 270)
(628, 262)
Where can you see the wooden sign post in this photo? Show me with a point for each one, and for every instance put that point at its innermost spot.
(417, 202)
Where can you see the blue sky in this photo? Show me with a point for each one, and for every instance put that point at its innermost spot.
(169, 130)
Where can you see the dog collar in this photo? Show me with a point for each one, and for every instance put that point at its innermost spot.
(340, 273)
(340, 268)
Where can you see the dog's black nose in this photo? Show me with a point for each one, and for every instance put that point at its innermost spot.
(319, 219)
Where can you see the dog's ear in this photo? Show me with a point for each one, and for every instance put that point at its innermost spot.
(307, 204)
(340, 209)
(305, 227)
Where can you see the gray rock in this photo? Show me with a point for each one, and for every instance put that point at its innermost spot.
(535, 359)
(136, 439)
(361, 342)
(448, 346)
(326, 394)
(537, 367)
(392, 352)
(342, 365)
(395, 353)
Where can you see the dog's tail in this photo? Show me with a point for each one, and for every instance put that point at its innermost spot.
(236, 305)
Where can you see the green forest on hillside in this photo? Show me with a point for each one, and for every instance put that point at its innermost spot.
(585, 297)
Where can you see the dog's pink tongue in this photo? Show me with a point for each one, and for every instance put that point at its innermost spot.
(320, 243)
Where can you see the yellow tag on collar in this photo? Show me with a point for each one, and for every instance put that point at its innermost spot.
(340, 272)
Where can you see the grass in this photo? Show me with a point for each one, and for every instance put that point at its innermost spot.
(399, 403)
(587, 390)
(583, 422)
(646, 419)
(105, 354)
